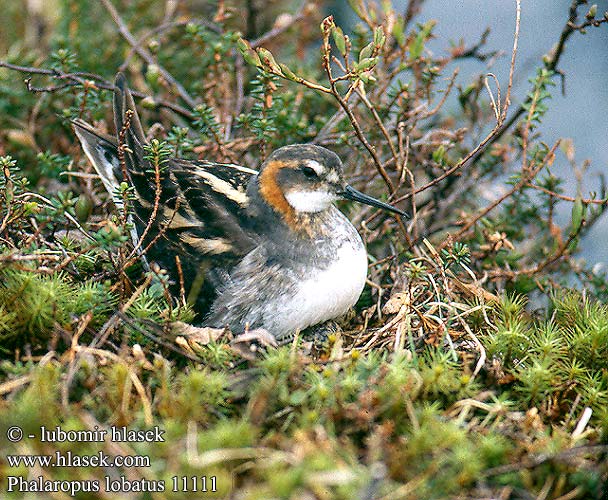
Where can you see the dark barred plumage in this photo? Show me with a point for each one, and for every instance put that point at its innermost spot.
(249, 243)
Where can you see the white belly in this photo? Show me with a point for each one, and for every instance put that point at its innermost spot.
(326, 295)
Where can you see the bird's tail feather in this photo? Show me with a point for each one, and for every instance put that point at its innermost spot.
(102, 151)
(129, 130)
(120, 158)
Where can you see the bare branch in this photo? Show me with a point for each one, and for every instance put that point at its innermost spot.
(278, 30)
(84, 79)
(145, 55)
(512, 65)
(551, 63)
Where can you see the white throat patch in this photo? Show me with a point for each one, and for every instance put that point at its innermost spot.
(310, 201)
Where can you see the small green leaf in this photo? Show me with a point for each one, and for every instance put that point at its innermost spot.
(379, 37)
(268, 61)
(573, 245)
(83, 208)
(249, 55)
(297, 397)
(365, 64)
(152, 75)
(339, 39)
(439, 155)
(30, 207)
(578, 213)
(416, 47)
(290, 75)
(243, 45)
(148, 102)
(398, 31)
(366, 52)
(357, 6)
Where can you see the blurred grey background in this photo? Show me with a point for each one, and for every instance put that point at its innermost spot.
(582, 114)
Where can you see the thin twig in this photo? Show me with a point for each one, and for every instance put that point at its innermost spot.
(378, 120)
(166, 27)
(145, 55)
(527, 176)
(278, 30)
(81, 79)
(147, 407)
(512, 65)
(551, 63)
(585, 201)
(152, 219)
(530, 463)
(180, 274)
(347, 109)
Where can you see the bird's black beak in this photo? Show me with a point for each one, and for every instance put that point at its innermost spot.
(350, 193)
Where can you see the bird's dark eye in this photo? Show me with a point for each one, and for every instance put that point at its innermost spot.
(309, 172)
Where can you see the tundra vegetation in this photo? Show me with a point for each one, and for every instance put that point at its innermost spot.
(475, 364)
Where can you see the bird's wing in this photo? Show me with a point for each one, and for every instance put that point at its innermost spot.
(199, 213)
(216, 195)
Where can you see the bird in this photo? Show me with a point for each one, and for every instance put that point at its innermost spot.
(263, 248)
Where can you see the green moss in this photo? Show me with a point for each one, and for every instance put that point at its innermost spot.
(563, 357)
(35, 303)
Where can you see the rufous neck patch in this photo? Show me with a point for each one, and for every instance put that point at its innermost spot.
(273, 195)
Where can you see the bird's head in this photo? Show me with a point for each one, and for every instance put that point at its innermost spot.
(304, 178)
